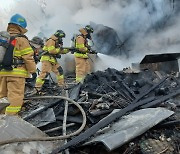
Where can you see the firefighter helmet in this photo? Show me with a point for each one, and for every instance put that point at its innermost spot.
(60, 34)
(89, 29)
(18, 20)
(37, 40)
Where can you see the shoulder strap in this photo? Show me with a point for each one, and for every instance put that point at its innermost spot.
(51, 39)
(20, 35)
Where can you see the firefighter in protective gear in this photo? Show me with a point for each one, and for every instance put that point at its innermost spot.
(81, 55)
(52, 50)
(37, 44)
(12, 82)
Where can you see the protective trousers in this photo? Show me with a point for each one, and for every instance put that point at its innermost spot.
(47, 67)
(13, 89)
(82, 68)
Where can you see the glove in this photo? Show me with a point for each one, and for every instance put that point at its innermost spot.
(93, 52)
(73, 50)
(88, 47)
(34, 75)
(58, 56)
(36, 59)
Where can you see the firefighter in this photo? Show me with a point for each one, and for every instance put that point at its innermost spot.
(12, 82)
(81, 55)
(37, 44)
(52, 50)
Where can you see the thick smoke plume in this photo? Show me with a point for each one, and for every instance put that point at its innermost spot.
(139, 26)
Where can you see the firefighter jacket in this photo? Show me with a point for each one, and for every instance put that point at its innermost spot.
(23, 52)
(81, 45)
(53, 49)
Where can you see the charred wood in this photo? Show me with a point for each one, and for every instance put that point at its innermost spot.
(33, 114)
(91, 131)
(162, 99)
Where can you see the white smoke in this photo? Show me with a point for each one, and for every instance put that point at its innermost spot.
(150, 24)
(105, 61)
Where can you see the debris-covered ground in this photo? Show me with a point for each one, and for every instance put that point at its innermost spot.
(127, 112)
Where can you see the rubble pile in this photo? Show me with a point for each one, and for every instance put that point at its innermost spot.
(152, 97)
(114, 89)
(117, 89)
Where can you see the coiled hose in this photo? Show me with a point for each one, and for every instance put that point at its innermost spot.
(51, 138)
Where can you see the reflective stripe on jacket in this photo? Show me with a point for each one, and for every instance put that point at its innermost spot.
(51, 49)
(19, 72)
(22, 51)
(48, 58)
(81, 45)
(80, 55)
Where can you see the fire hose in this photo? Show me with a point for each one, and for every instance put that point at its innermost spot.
(56, 137)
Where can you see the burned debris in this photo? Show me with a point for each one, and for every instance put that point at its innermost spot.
(126, 112)
(128, 92)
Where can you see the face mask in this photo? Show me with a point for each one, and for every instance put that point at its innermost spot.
(60, 41)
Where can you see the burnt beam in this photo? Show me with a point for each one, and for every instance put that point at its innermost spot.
(101, 124)
(40, 110)
(106, 121)
(162, 99)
